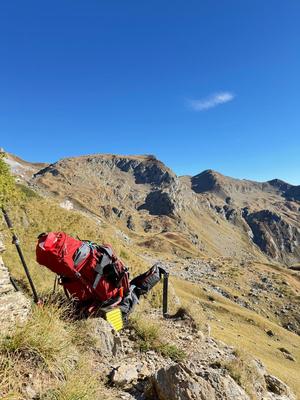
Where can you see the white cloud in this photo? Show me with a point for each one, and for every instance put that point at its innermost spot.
(211, 101)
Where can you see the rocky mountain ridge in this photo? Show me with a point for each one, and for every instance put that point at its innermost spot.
(141, 193)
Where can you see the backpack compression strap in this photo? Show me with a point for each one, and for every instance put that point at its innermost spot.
(106, 259)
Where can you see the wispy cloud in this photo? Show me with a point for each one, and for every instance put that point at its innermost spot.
(211, 101)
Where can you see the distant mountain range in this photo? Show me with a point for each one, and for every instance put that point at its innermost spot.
(205, 214)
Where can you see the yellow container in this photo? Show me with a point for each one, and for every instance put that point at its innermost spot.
(114, 317)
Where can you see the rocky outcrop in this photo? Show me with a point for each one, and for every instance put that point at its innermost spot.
(158, 203)
(107, 342)
(273, 234)
(14, 306)
(277, 389)
(176, 383)
(293, 193)
(148, 171)
(124, 374)
(191, 381)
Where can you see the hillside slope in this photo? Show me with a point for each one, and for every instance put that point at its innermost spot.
(215, 214)
(223, 300)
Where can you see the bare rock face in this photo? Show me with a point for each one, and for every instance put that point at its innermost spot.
(14, 306)
(293, 193)
(158, 203)
(175, 383)
(225, 387)
(273, 234)
(179, 382)
(148, 171)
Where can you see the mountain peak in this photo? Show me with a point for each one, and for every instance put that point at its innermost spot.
(208, 180)
(146, 169)
(279, 184)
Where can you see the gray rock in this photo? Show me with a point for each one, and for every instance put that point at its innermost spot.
(14, 306)
(289, 357)
(126, 396)
(196, 379)
(107, 341)
(124, 374)
(270, 333)
(2, 246)
(175, 383)
(130, 223)
(277, 387)
(225, 387)
(30, 393)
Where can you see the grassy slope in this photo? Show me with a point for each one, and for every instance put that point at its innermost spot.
(244, 329)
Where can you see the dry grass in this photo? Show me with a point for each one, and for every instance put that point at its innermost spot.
(244, 372)
(10, 376)
(51, 356)
(45, 339)
(81, 383)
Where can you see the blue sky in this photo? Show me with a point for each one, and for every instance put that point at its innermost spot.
(200, 84)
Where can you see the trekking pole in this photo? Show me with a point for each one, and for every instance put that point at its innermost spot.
(14, 283)
(16, 242)
(165, 293)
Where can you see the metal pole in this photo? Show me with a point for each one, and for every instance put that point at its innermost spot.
(16, 242)
(165, 294)
(14, 284)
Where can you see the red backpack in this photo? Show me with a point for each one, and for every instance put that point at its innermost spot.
(88, 271)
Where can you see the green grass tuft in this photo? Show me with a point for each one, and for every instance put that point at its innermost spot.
(172, 351)
(150, 338)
